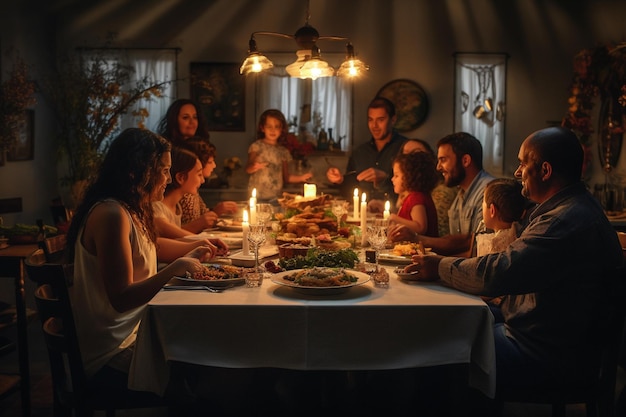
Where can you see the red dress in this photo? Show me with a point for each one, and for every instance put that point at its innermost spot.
(416, 198)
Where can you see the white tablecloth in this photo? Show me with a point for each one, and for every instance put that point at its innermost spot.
(366, 328)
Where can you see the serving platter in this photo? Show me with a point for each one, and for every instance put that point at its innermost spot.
(393, 259)
(279, 279)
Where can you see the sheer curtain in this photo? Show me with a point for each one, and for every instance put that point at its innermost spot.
(480, 84)
(156, 65)
(329, 98)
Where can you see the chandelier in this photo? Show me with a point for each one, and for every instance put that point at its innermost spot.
(309, 62)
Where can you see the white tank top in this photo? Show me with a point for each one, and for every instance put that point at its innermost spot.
(102, 331)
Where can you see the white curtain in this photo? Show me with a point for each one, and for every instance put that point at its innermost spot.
(481, 78)
(328, 97)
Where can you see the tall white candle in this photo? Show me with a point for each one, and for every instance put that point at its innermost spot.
(386, 212)
(363, 219)
(245, 227)
(355, 201)
(253, 207)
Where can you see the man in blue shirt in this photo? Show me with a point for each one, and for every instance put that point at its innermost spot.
(565, 257)
(370, 166)
(460, 161)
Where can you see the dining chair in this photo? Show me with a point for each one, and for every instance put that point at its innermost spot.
(72, 390)
(54, 247)
(598, 394)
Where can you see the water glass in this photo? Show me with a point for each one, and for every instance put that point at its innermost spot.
(339, 208)
(264, 212)
(256, 237)
(254, 279)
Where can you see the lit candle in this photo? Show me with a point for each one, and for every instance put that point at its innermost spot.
(245, 227)
(363, 219)
(386, 212)
(310, 190)
(253, 207)
(355, 201)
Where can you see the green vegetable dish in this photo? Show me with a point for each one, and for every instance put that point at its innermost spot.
(343, 258)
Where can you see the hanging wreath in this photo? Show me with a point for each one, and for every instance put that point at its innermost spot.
(599, 75)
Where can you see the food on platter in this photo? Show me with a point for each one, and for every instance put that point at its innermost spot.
(289, 250)
(342, 258)
(296, 201)
(215, 272)
(409, 249)
(321, 277)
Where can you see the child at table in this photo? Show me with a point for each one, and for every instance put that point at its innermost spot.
(503, 208)
(187, 176)
(414, 177)
(196, 216)
(268, 160)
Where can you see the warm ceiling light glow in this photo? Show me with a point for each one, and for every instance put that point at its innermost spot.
(309, 63)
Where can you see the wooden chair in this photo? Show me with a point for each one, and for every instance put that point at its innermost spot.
(54, 247)
(72, 390)
(598, 394)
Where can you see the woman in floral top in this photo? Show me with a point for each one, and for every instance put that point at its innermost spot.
(268, 160)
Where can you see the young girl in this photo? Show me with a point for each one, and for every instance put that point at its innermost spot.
(187, 176)
(196, 216)
(268, 160)
(414, 177)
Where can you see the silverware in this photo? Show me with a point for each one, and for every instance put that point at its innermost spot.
(193, 288)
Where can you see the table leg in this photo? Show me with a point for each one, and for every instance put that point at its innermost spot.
(22, 338)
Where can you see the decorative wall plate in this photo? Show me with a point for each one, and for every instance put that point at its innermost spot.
(410, 100)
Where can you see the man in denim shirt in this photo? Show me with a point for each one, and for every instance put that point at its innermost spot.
(460, 161)
(566, 256)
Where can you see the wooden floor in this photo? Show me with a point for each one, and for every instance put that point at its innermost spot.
(42, 397)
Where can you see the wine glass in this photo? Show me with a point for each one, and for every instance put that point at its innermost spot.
(377, 237)
(339, 208)
(264, 212)
(256, 237)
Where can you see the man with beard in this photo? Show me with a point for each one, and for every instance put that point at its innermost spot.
(566, 257)
(460, 161)
(370, 166)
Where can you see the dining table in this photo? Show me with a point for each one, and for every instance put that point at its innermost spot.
(406, 325)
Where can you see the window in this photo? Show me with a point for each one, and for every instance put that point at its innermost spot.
(480, 102)
(309, 105)
(157, 65)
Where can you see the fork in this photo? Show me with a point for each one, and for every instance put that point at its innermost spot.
(193, 288)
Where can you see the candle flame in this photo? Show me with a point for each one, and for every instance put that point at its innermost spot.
(363, 198)
(356, 192)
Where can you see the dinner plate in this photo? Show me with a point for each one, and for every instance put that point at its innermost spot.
(232, 239)
(279, 279)
(216, 283)
(406, 276)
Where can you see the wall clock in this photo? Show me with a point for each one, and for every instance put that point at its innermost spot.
(410, 100)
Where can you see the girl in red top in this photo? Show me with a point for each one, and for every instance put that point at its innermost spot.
(414, 177)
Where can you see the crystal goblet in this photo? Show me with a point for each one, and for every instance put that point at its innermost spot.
(256, 237)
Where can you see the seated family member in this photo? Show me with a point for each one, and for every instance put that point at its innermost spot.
(442, 195)
(414, 177)
(460, 161)
(268, 160)
(565, 256)
(113, 244)
(196, 216)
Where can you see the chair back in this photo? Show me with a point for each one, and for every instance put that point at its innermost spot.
(54, 247)
(57, 321)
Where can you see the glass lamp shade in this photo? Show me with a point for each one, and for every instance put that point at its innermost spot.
(255, 62)
(351, 68)
(307, 67)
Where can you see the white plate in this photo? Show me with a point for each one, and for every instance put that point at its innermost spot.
(233, 240)
(404, 276)
(216, 283)
(227, 228)
(362, 278)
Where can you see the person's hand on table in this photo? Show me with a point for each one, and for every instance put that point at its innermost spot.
(400, 233)
(427, 267)
(225, 207)
(221, 247)
(192, 261)
(210, 219)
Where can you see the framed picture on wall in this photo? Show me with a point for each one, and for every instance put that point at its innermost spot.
(220, 90)
(24, 147)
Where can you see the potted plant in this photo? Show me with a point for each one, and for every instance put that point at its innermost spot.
(88, 95)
